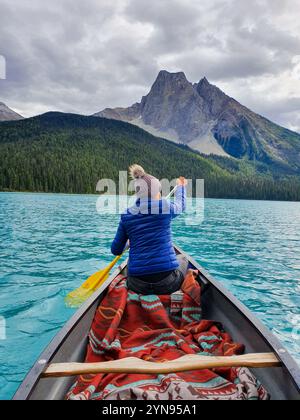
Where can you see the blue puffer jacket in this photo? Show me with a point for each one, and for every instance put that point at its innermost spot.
(148, 227)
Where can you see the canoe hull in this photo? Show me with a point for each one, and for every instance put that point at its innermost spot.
(69, 345)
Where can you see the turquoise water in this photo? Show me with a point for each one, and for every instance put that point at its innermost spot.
(50, 243)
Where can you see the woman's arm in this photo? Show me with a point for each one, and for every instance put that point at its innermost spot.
(120, 240)
(179, 205)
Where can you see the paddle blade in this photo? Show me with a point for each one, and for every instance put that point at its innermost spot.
(76, 298)
(80, 295)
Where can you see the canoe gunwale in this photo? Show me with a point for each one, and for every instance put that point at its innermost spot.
(283, 355)
(27, 388)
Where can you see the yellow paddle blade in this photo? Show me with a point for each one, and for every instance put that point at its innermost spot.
(80, 295)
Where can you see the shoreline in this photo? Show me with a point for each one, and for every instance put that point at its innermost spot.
(96, 194)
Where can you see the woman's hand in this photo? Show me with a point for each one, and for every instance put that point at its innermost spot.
(182, 181)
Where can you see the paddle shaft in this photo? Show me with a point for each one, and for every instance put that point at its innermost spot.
(184, 364)
(172, 192)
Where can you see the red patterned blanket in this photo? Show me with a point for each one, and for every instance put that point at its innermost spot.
(156, 329)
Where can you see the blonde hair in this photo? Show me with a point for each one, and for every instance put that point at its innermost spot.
(136, 171)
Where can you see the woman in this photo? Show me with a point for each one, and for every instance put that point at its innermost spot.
(153, 266)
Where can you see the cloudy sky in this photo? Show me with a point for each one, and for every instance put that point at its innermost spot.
(83, 56)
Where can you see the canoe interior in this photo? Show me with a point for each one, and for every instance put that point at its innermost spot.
(72, 348)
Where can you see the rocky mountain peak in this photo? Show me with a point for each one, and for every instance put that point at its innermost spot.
(206, 89)
(204, 83)
(216, 100)
(164, 107)
(206, 119)
(7, 114)
(166, 77)
(169, 83)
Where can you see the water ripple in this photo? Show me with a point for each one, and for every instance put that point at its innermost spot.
(50, 243)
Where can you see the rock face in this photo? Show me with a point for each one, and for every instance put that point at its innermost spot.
(206, 119)
(7, 114)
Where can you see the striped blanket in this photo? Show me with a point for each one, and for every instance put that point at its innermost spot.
(156, 329)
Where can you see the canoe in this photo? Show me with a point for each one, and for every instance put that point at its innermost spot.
(283, 382)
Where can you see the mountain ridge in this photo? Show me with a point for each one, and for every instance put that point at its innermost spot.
(69, 153)
(7, 114)
(203, 117)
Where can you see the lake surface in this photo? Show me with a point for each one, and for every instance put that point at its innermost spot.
(50, 243)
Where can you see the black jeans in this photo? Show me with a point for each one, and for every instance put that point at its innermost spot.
(167, 286)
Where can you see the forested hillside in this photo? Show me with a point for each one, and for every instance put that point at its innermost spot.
(68, 153)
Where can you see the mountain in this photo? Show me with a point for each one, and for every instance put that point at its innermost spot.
(7, 114)
(206, 119)
(66, 153)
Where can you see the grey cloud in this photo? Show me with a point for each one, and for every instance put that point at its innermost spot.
(84, 56)
(284, 112)
(290, 120)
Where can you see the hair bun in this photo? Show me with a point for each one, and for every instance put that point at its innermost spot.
(136, 171)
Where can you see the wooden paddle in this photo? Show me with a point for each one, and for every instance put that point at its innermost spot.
(184, 364)
(76, 298)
